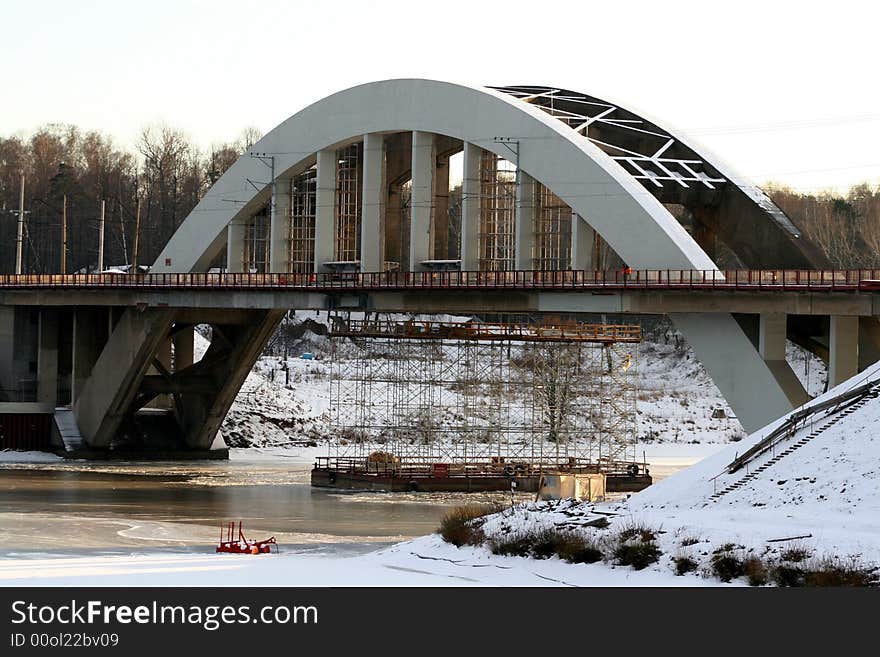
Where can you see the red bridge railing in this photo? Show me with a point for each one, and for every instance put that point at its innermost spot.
(842, 280)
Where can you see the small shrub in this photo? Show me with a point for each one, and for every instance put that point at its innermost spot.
(511, 546)
(545, 543)
(831, 572)
(826, 572)
(460, 525)
(637, 530)
(689, 540)
(796, 554)
(756, 571)
(575, 548)
(727, 566)
(542, 544)
(684, 564)
(787, 575)
(638, 554)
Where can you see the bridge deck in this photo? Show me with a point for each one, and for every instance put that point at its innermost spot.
(850, 280)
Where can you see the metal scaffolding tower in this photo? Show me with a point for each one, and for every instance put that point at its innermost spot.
(479, 393)
(301, 240)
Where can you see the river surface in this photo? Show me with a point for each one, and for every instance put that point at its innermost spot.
(108, 508)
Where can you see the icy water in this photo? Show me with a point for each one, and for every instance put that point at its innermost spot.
(110, 508)
(52, 507)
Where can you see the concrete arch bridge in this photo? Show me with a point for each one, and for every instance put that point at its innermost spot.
(426, 196)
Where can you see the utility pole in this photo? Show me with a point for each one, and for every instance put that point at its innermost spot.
(64, 236)
(137, 234)
(101, 239)
(20, 227)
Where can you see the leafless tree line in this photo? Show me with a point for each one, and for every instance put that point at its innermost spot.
(846, 227)
(167, 174)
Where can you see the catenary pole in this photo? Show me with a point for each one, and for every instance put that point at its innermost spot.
(101, 239)
(64, 236)
(18, 241)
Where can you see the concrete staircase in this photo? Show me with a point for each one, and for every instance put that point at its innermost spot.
(777, 457)
(67, 430)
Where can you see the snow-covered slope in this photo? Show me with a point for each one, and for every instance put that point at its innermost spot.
(807, 507)
(837, 469)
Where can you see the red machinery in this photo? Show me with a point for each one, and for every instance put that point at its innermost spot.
(241, 545)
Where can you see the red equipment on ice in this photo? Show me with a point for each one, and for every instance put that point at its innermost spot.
(242, 545)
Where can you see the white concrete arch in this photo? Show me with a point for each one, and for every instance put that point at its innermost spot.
(631, 220)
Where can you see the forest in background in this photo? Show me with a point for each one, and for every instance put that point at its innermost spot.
(168, 174)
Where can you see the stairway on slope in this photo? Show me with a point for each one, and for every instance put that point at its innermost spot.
(777, 457)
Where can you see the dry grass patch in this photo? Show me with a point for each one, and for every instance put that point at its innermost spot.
(463, 524)
(569, 546)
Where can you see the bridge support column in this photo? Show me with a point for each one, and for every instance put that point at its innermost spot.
(89, 337)
(235, 232)
(205, 391)
(581, 244)
(188, 401)
(735, 366)
(47, 358)
(8, 384)
(372, 204)
(772, 332)
(869, 341)
(843, 349)
(441, 208)
(525, 221)
(162, 360)
(111, 389)
(422, 200)
(325, 208)
(470, 209)
(279, 228)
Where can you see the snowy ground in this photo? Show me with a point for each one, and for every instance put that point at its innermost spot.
(15, 456)
(425, 561)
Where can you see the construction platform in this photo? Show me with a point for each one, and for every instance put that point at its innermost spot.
(411, 475)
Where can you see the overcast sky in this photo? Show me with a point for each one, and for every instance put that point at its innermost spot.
(783, 91)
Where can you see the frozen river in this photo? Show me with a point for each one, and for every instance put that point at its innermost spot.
(59, 507)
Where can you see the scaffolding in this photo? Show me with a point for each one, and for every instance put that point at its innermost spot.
(539, 396)
(301, 238)
(348, 203)
(552, 231)
(497, 232)
(256, 242)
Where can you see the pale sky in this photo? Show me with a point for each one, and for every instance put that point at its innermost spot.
(784, 91)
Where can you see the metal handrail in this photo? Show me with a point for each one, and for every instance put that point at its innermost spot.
(683, 279)
(795, 421)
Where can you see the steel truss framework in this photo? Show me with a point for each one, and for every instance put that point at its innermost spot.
(651, 155)
(448, 396)
(497, 231)
(256, 242)
(301, 240)
(348, 203)
(552, 250)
